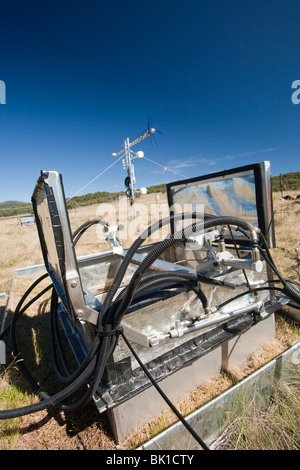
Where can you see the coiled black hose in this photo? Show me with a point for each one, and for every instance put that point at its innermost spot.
(84, 227)
(110, 319)
(77, 379)
(156, 279)
(133, 249)
(161, 248)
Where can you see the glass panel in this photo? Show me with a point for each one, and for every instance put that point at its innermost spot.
(233, 195)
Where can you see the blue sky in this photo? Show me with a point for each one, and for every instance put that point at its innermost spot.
(214, 76)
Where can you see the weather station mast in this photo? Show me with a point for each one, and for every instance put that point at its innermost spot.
(129, 155)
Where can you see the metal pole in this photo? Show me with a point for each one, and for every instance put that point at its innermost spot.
(129, 166)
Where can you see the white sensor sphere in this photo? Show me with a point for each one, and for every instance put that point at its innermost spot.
(139, 154)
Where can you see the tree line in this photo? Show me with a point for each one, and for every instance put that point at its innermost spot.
(286, 182)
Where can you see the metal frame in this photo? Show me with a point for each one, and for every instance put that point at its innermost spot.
(263, 193)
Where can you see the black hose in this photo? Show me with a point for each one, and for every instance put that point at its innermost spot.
(157, 279)
(24, 296)
(22, 300)
(84, 227)
(106, 320)
(251, 291)
(171, 281)
(164, 396)
(292, 293)
(82, 375)
(55, 400)
(132, 250)
(17, 314)
(55, 343)
(105, 349)
(65, 375)
(166, 244)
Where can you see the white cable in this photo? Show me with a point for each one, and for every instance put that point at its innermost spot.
(116, 161)
(163, 166)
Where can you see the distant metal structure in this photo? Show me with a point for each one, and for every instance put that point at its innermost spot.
(129, 167)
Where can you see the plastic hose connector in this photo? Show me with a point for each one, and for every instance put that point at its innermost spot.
(292, 293)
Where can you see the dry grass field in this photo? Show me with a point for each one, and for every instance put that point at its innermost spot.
(20, 248)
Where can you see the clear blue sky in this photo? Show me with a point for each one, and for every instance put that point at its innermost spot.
(214, 76)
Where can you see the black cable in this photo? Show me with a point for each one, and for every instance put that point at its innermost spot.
(17, 314)
(148, 284)
(65, 375)
(294, 282)
(96, 365)
(56, 399)
(168, 282)
(132, 250)
(84, 227)
(238, 255)
(82, 374)
(160, 278)
(164, 396)
(241, 294)
(22, 300)
(93, 362)
(107, 318)
(55, 343)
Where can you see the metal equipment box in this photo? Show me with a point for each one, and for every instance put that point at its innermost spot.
(189, 305)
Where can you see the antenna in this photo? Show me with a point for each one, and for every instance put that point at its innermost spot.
(129, 167)
(149, 128)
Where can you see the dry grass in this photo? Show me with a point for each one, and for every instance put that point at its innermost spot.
(286, 334)
(87, 429)
(287, 224)
(274, 428)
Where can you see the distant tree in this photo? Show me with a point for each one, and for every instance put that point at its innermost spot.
(289, 182)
